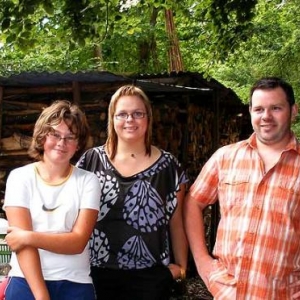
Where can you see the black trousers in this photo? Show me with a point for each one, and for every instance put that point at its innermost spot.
(146, 284)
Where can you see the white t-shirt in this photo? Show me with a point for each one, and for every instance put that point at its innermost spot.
(54, 208)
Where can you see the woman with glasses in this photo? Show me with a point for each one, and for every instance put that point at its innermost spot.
(52, 207)
(138, 246)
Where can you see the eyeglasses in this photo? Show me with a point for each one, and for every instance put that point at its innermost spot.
(55, 137)
(134, 115)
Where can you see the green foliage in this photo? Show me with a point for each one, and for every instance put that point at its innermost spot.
(131, 35)
(230, 23)
(272, 50)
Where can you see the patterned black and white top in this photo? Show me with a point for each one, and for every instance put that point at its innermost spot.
(132, 227)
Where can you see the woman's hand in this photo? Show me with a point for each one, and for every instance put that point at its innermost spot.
(16, 238)
(176, 271)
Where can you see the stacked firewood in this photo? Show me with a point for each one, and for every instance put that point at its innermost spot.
(187, 131)
(167, 127)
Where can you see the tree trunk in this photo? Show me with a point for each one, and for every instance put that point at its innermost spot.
(175, 59)
(98, 57)
(147, 48)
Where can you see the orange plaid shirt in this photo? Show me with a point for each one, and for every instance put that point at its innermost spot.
(258, 239)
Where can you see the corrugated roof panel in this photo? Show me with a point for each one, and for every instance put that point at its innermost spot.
(150, 86)
(27, 79)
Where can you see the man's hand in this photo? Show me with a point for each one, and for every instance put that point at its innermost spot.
(296, 286)
(205, 268)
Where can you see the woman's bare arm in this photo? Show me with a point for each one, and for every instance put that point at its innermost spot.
(72, 242)
(28, 257)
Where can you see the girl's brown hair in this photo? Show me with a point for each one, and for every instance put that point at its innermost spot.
(58, 111)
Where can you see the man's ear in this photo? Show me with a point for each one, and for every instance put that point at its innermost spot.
(294, 111)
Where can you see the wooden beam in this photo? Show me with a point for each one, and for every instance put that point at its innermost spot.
(76, 92)
(85, 87)
(1, 104)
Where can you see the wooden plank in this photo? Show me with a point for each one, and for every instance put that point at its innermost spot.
(76, 92)
(14, 159)
(1, 104)
(25, 104)
(85, 87)
(15, 142)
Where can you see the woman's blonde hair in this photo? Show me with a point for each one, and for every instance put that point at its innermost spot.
(112, 138)
(58, 111)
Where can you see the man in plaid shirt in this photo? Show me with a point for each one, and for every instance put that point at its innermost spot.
(257, 183)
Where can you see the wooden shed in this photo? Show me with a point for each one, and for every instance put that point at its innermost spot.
(193, 116)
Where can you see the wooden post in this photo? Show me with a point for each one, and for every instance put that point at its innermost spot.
(76, 92)
(1, 110)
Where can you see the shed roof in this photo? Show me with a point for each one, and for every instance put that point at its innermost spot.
(167, 83)
(30, 79)
(149, 84)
